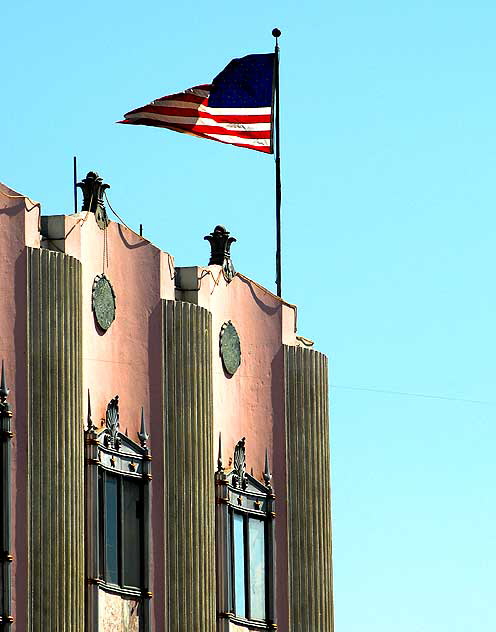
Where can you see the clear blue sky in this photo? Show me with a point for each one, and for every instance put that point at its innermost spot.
(389, 151)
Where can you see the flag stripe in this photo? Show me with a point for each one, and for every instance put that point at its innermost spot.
(263, 144)
(191, 112)
(241, 116)
(201, 121)
(204, 108)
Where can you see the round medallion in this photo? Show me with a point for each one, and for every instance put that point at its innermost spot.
(230, 348)
(103, 301)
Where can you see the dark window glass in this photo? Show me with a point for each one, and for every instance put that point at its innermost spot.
(111, 530)
(131, 522)
(256, 539)
(239, 565)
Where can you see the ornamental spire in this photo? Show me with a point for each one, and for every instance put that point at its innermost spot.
(5, 409)
(142, 435)
(91, 425)
(4, 391)
(267, 476)
(220, 467)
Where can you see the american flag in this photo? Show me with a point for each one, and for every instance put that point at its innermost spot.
(236, 108)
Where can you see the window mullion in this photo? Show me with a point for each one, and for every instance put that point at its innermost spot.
(246, 543)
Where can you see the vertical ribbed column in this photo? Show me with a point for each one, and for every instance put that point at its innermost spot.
(309, 491)
(189, 473)
(55, 447)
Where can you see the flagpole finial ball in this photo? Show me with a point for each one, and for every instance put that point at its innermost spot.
(276, 32)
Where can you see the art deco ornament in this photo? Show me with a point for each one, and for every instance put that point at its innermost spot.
(239, 478)
(111, 439)
(103, 302)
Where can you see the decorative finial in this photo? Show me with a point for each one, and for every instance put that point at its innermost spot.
(4, 391)
(91, 425)
(267, 476)
(276, 32)
(220, 251)
(93, 189)
(220, 467)
(5, 409)
(142, 435)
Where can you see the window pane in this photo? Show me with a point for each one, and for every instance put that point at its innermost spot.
(239, 566)
(111, 532)
(256, 530)
(132, 521)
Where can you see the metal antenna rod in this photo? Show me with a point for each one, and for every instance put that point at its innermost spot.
(75, 185)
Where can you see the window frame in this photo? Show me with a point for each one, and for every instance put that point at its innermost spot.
(112, 453)
(121, 587)
(247, 567)
(240, 493)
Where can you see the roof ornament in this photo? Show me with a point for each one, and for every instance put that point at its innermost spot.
(93, 189)
(220, 251)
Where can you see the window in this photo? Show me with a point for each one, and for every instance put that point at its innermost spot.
(248, 565)
(245, 544)
(118, 516)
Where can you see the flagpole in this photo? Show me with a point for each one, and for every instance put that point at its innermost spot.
(277, 150)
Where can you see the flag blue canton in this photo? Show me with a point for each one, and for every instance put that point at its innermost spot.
(244, 83)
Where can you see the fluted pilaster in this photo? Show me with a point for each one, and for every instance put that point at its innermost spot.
(309, 493)
(189, 472)
(55, 444)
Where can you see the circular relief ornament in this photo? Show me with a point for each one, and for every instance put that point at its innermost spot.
(103, 301)
(230, 348)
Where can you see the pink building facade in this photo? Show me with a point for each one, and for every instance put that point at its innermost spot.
(164, 437)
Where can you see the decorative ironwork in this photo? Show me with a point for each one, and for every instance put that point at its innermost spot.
(112, 439)
(103, 302)
(220, 251)
(239, 477)
(93, 189)
(230, 347)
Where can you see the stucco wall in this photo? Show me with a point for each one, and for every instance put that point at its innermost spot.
(19, 222)
(117, 614)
